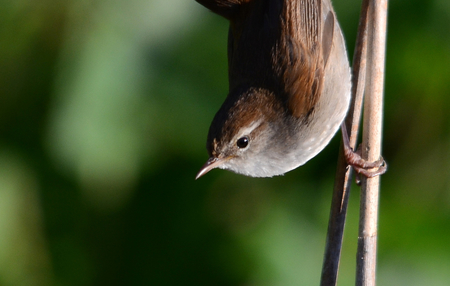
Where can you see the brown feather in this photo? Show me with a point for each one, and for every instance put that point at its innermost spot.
(278, 45)
(303, 69)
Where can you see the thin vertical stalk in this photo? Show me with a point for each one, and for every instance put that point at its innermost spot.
(343, 177)
(371, 146)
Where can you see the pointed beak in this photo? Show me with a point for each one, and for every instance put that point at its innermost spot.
(209, 165)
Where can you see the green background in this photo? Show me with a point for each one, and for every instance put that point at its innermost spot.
(104, 111)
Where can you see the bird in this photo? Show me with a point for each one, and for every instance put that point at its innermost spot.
(289, 86)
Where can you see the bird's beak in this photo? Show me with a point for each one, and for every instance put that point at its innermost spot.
(209, 165)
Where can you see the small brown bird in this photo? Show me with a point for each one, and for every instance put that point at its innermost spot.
(289, 85)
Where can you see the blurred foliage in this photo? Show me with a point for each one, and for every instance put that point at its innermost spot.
(104, 111)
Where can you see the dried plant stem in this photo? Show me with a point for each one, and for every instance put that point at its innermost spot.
(371, 146)
(343, 177)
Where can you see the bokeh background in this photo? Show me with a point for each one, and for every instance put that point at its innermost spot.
(104, 111)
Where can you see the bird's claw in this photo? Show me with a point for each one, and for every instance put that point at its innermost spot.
(360, 165)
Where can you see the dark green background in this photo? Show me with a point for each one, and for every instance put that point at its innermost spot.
(104, 111)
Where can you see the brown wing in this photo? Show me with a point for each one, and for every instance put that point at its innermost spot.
(306, 49)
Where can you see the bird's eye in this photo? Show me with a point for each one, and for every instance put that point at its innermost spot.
(242, 142)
